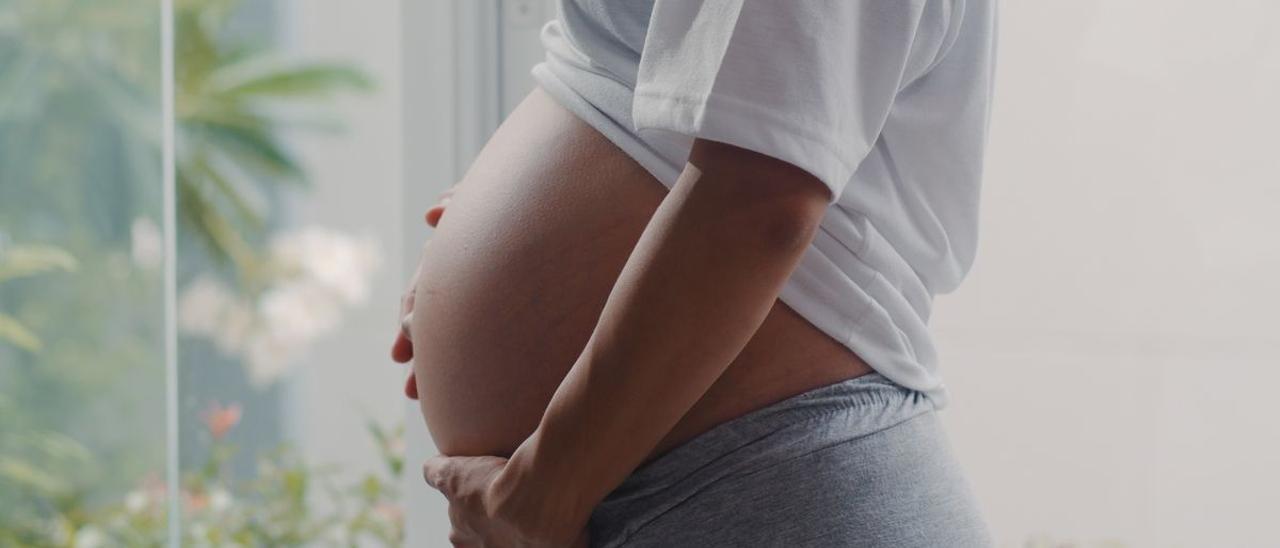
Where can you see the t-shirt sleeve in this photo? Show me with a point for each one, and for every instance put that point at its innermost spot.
(808, 82)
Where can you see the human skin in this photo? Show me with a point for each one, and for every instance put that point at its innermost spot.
(512, 282)
(512, 285)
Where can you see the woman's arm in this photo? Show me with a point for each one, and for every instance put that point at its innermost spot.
(702, 278)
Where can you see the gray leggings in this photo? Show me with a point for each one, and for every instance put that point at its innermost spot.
(862, 462)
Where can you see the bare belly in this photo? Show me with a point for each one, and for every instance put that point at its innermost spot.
(518, 270)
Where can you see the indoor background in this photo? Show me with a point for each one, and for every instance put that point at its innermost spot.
(1112, 355)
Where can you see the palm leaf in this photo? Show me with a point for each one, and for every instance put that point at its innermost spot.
(267, 78)
(213, 226)
(236, 197)
(31, 476)
(195, 44)
(13, 332)
(197, 111)
(251, 149)
(27, 260)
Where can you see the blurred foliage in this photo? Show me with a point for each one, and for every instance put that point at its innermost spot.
(79, 112)
(19, 262)
(232, 102)
(81, 375)
(276, 507)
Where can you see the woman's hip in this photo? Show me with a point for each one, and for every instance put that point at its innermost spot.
(861, 462)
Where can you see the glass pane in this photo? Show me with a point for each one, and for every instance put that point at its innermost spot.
(82, 384)
(288, 287)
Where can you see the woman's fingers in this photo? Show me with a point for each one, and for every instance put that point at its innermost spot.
(437, 211)
(406, 323)
(434, 214)
(402, 349)
(411, 386)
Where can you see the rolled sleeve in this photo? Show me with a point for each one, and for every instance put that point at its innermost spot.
(810, 83)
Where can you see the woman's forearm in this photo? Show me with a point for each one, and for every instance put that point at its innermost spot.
(702, 278)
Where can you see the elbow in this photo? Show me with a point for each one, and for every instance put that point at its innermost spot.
(786, 210)
(776, 203)
(788, 228)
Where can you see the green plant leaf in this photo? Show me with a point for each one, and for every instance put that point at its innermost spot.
(213, 227)
(18, 335)
(59, 446)
(26, 474)
(252, 149)
(28, 260)
(228, 190)
(202, 111)
(267, 77)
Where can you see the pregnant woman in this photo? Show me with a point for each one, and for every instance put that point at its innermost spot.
(680, 298)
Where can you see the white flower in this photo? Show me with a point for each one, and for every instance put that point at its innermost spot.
(339, 262)
(235, 326)
(59, 531)
(300, 310)
(148, 243)
(292, 316)
(89, 537)
(269, 358)
(220, 500)
(209, 308)
(322, 272)
(200, 532)
(202, 304)
(136, 501)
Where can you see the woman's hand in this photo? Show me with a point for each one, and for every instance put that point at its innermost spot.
(489, 509)
(402, 348)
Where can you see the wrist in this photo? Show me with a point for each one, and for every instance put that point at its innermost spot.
(537, 500)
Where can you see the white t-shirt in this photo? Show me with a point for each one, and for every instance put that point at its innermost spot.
(884, 101)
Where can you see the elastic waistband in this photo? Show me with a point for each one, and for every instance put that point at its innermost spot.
(803, 423)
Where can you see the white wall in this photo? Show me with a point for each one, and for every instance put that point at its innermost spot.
(1113, 354)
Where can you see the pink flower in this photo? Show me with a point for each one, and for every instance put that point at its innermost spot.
(392, 512)
(221, 419)
(194, 501)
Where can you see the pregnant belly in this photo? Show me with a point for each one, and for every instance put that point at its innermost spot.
(519, 268)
